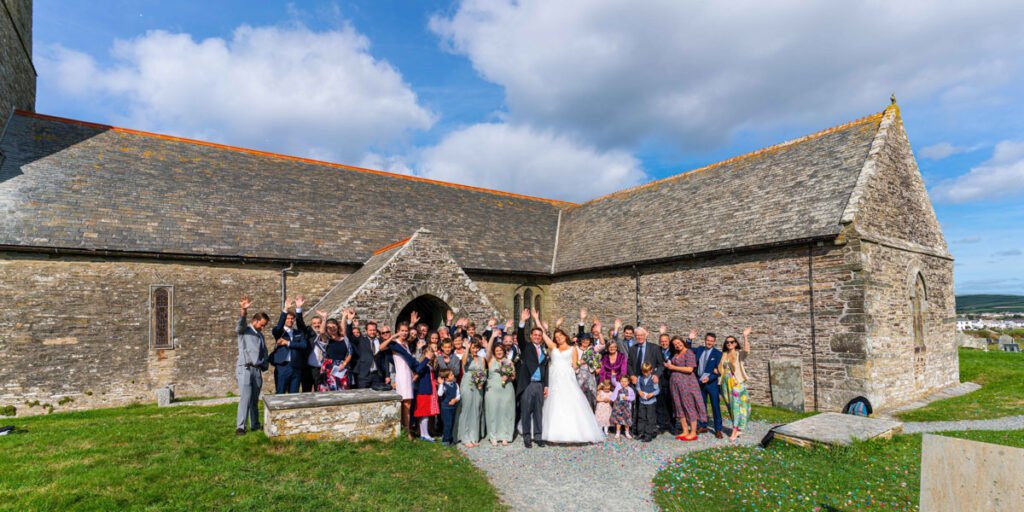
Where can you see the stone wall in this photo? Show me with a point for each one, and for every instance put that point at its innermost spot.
(351, 415)
(501, 288)
(766, 290)
(77, 328)
(17, 76)
(895, 375)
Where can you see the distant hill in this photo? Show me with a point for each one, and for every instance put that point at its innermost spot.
(989, 303)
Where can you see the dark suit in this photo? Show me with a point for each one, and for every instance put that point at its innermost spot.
(634, 362)
(363, 355)
(665, 413)
(530, 389)
(710, 389)
(289, 361)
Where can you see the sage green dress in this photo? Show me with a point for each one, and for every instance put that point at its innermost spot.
(500, 406)
(471, 407)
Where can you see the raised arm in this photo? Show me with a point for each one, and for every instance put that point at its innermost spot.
(746, 339)
(524, 316)
(547, 339)
(243, 324)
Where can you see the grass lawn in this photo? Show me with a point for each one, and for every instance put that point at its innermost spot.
(877, 475)
(188, 458)
(1001, 376)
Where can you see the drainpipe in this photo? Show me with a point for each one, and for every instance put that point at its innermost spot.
(814, 334)
(284, 284)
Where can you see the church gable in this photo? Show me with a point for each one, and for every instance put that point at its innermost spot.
(890, 203)
(418, 271)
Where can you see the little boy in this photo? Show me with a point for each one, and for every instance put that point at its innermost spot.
(647, 416)
(448, 395)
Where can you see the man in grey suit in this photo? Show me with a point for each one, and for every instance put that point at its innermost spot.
(252, 362)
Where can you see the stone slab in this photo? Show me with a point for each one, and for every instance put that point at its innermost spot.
(832, 428)
(787, 382)
(347, 397)
(342, 416)
(957, 474)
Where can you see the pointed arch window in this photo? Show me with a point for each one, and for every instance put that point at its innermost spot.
(919, 308)
(161, 317)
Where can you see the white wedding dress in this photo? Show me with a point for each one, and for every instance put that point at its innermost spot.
(567, 414)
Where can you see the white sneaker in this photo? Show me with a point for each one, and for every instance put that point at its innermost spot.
(628, 436)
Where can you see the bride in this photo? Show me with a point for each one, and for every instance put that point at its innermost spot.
(567, 417)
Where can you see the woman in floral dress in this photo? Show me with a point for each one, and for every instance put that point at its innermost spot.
(686, 399)
(589, 364)
(734, 376)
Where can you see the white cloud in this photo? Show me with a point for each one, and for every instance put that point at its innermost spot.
(288, 89)
(946, 150)
(391, 163)
(693, 73)
(999, 177)
(527, 161)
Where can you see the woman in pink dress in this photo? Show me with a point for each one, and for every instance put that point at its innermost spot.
(613, 364)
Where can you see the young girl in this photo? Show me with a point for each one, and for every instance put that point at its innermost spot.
(426, 393)
(604, 404)
(622, 408)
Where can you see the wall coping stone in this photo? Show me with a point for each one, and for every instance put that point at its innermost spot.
(328, 399)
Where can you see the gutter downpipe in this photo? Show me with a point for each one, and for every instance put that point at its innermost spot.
(284, 283)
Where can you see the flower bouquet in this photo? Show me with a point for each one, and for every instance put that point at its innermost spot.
(507, 371)
(479, 379)
(592, 359)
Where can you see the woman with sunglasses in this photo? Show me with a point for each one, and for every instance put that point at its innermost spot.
(734, 376)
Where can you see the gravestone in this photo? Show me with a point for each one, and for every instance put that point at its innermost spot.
(1007, 344)
(354, 414)
(165, 396)
(787, 383)
(957, 474)
(833, 428)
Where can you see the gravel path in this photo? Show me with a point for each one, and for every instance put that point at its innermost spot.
(614, 476)
(1005, 423)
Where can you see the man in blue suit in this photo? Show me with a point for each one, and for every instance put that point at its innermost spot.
(289, 358)
(708, 358)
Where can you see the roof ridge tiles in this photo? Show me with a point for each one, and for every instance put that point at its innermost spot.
(281, 156)
(876, 117)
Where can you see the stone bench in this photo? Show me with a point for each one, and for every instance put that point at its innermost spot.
(341, 415)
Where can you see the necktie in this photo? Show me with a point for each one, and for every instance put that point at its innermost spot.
(643, 350)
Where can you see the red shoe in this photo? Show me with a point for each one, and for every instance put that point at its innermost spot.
(681, 437)
(691, 438)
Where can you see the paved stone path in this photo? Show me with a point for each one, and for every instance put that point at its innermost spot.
(1004, 423)
(614, 476)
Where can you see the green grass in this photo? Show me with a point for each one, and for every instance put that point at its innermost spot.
(188, 458)
(773, 415)
(875, 475)
(1001, 376)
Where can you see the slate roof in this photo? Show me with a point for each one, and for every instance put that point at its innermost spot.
(334, 299)
(793, 191)
(72, 185)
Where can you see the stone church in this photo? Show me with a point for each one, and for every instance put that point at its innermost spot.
(123, 255)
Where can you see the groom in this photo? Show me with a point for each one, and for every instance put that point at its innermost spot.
(532, 380)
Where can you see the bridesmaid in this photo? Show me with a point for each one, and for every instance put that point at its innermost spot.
(734, 374)
(500, 405)
(686, 399)
(471, 407)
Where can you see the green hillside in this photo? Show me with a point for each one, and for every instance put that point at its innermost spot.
(989, 303)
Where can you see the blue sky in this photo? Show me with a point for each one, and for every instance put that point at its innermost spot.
(569, 99)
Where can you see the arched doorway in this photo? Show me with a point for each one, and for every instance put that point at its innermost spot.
(430, 308)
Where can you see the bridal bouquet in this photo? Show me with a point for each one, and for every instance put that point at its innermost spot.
(507, 371)
(592, 359)
(479, 379)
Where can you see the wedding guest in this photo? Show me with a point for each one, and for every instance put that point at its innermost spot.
(589, 365)
(708, 358)
(252, 361)
(448, 395)
(334, 368)
(384, 360)
(288, 357)
(365, 347)
(734, 376)
(613, 364)
(471, 406)
(647, 392)
(311, 371)
(402, 380)
(426, 406)
(666, 421)
(643, 352)
(447, 359)
(603, 412)
(686, 398)
(500, 403)
(622, 407)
